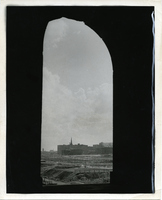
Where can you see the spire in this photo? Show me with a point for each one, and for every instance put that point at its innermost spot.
(71, 143)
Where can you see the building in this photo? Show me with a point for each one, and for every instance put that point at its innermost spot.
(81, 149)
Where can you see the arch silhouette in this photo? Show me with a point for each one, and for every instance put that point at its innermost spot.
(25, 82)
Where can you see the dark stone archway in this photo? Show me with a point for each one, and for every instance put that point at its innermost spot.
(127, 31)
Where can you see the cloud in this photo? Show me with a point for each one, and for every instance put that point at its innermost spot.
(75, 58)
(83, 115)
(55, 32)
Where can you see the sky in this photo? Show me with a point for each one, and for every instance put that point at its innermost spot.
(77, 86)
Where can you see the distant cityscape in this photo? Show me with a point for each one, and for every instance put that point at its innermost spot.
(77, 164)
(82, 149)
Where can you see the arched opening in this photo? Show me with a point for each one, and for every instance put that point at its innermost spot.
(129, 39)
(77, 105)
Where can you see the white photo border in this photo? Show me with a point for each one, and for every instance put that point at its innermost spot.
(158, 96)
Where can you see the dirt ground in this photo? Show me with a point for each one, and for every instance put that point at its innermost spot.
(75, 169)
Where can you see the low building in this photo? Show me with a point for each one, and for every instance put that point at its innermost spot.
(81, 149)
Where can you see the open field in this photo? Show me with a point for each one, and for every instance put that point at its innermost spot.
(75, 169)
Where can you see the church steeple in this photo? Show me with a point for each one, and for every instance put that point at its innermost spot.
(71, 142)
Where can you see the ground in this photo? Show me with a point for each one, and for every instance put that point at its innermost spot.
(75, 169)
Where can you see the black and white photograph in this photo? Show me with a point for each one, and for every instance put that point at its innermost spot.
(80, 84)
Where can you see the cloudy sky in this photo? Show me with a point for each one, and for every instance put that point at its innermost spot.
(77, 86)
